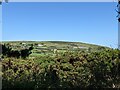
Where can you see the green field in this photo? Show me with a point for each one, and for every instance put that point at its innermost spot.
(51, 47)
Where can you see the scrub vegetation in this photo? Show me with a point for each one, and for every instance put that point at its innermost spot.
(60, 66)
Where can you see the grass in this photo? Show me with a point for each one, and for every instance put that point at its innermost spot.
(49, 46)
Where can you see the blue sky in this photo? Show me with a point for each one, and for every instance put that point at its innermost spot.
(0, 22)
(94, 23)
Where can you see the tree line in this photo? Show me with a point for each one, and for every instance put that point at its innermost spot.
(9, 52)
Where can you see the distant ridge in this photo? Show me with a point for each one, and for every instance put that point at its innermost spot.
(57, 42)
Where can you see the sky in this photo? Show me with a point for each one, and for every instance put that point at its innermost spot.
(0, 22)
(94, 23)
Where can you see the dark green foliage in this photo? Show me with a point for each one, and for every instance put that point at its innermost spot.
(31, 48)
(15, 54)
(25, 53)
(7, 51)
(68, 70)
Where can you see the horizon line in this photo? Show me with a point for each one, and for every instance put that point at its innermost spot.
(58, 41)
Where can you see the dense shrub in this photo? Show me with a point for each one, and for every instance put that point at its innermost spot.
(7, 51)
(68, 70)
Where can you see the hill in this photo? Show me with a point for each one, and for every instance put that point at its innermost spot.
(51, 47)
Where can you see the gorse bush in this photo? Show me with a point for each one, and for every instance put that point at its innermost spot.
(68, 70)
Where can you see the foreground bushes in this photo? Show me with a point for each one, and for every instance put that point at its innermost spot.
(68, 70)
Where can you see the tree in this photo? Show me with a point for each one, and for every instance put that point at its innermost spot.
(15, 54)
(26, 52)
(6, 50)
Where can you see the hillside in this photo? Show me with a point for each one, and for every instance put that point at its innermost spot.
(51, 47)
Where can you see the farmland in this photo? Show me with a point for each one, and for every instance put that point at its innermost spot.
(51, 47)
(55, 64)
